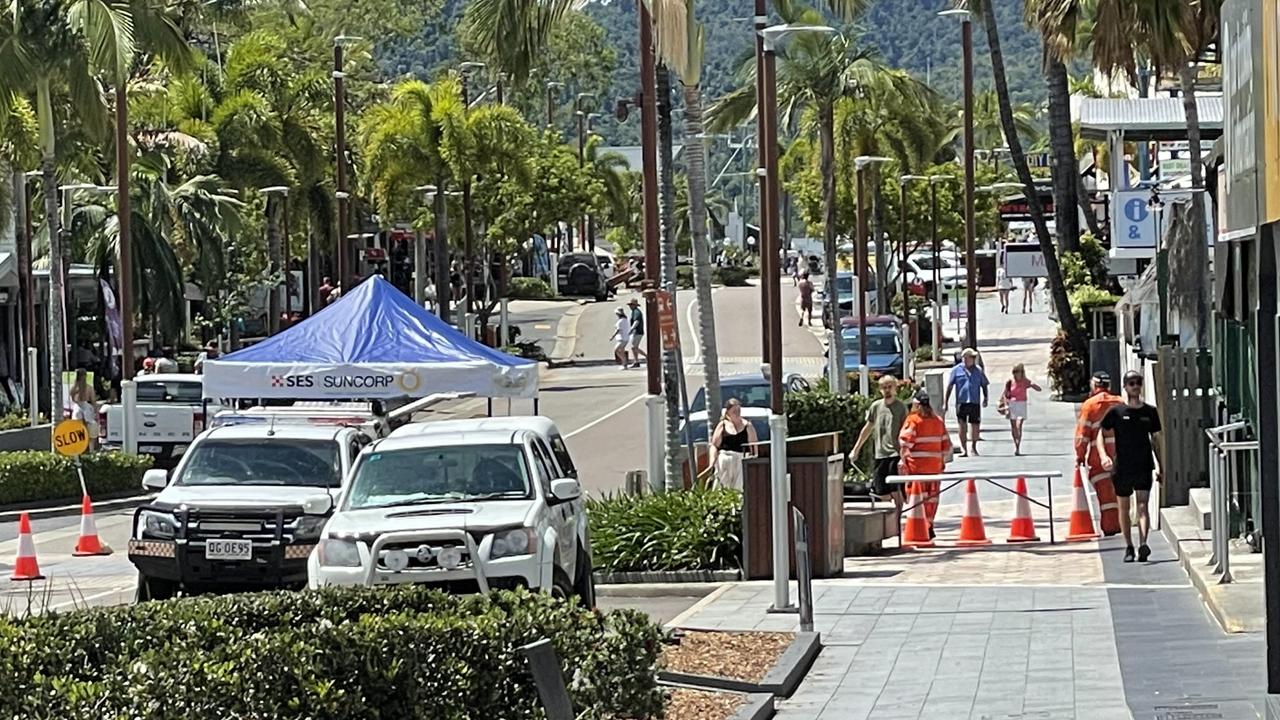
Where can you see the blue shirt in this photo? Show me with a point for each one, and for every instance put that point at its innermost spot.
(968, 382)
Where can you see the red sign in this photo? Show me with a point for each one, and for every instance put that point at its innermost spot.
(667, 327)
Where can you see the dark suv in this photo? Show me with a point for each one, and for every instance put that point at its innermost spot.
(581, 274)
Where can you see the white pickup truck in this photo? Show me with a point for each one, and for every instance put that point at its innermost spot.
(169, 415)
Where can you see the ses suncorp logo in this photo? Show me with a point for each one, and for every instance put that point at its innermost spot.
(408, 381)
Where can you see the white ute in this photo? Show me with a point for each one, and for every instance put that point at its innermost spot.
(169, 415)
(464, 505)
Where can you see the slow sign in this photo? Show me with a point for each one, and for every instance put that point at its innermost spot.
(71, 438)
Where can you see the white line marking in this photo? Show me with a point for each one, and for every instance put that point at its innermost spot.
(606, 416)
(855, 582)
(81, 602)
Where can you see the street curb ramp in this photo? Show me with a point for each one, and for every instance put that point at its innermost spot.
(781, 680)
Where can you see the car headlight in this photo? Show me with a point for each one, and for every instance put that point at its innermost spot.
(509, 543)
(338, 552)
(159, 525)
(309, 527)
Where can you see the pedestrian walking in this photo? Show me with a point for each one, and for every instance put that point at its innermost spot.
(882, 427)
(793, 266)
(971, 386)
(924, 446)
(637, 332)
(1013, 402)
(84, 404)
(621, 335)
(730, 443)
(1129, 446)
(1029, 294)
(326, 289)
(1004, 285)
(806, 299)
(1095, 408)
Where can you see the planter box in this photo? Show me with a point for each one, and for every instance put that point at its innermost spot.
(31, 438)
(816, 467)
(782, 680)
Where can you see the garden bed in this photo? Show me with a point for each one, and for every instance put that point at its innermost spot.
(747, 661)
(690, 704)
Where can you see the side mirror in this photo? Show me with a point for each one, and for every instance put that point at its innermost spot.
(565, 489)
(318, 504)
(155, 479)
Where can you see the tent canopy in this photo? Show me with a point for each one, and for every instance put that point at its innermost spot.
(373, 343)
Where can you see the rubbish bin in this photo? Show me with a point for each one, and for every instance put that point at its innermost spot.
(816, 467)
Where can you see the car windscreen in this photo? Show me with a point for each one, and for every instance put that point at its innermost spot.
(876, 344)
(266, 461)
(185, 393)
(413, 476)
(926, 262)
(748, 395)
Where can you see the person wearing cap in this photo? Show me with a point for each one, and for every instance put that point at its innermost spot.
(925, 447)
(972, 394)
(1129, 447)
(637, 331)
(1087, 425)
(883, 427)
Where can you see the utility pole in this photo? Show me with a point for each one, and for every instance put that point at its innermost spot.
(970, 219)
(654, 409)
(124, 214)
(862, 261)
(468, 233)
(345, 276)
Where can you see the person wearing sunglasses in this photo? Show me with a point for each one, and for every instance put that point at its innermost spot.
(1135, 426)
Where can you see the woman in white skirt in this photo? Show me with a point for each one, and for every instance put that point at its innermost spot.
(1014, 402)
(729, 445)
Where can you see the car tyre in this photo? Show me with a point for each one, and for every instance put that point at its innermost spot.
(561, 586)
(586, 585)
(155, 588)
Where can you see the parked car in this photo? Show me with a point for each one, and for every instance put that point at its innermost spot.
(951, 273)
(463, 505)
(695, 428)
(884, 350)
(245, 506)
(581, 274)
(170, 413)
(750, 389)
(844, 292)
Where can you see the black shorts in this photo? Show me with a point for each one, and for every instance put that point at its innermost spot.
(883, 469)
(969, 413)
(1127, 482)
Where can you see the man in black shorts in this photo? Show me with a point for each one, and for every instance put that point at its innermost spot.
(1135, 426)
(884, 422)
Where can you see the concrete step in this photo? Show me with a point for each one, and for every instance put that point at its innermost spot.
(1202, 506)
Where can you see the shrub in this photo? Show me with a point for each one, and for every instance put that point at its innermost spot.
(529, 288)
(730, 276)
(403, 652)
(1069, 364)
(819, 411)
(1086, 297)
(684, 276)
(28, 476)
(16, 421)
(698, 529)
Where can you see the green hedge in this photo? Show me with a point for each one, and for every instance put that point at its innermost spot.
(529, 288)
(816, 411)
(684, 276)
(697, 529)
(404, 652)
(730, 276)
(28, 476)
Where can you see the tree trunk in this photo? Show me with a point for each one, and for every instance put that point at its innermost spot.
(826, 168)
(667, 273)
(1056, 289)
(1198, 251)
(444, 291)
(695, 166)
(273, 259)
(57, 278)
(1065, 169)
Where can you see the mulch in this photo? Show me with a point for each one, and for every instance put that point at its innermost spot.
(685, 704)
(740, 655)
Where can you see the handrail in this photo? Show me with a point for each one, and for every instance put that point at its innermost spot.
(899, 479)
(1223, 429)
(1239, 445)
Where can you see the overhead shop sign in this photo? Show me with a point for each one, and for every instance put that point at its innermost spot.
(1240, 46)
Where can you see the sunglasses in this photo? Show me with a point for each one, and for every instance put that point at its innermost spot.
(1133, 383)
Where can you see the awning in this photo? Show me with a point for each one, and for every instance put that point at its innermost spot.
(1141, 119)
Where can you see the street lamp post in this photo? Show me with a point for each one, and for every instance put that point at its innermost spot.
(770, 246)
(124, 214)
(468, 233)
(970, 221)
(340, 158)
(273, 253)
(861, 163)
(590, 221)
(582, 149)
(903, 181)
(552, 87)
(937, 251)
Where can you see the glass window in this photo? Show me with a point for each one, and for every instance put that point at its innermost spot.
(562, 456)
(876, 344)
(546, 468)
(439, 474)
(748, 395)
(302, 463)
(185, 393)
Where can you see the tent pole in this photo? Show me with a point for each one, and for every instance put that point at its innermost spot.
(535, 406)
(490, 402)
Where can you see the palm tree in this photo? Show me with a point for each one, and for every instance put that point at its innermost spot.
(1057, 290)
(988, 131)
(680, 43)
(511, 35)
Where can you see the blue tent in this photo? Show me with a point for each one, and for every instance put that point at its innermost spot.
(375, 342)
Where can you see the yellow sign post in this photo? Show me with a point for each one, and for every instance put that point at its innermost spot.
(71, 438)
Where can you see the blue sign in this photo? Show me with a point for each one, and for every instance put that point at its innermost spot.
(1135, 210)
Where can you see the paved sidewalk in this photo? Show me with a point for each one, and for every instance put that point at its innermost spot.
(1024, 631)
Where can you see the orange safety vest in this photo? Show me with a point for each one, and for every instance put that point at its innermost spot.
(1090, 423)
(924, 442)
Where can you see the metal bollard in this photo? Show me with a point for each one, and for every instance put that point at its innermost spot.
(635, 483)
(545, 668)
(33, 387)
(804, 571)
(1215, 489)
(128, 417)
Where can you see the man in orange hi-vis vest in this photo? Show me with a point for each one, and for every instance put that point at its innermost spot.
(924, 444)
(1087, 427)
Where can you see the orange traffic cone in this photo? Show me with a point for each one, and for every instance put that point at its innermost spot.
(25, 566)
(1023, 528)
(916, 530)
(972, 532)
(89, 544)
(1081, 528)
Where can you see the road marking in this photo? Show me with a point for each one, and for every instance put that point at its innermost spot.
(107, 521)
(542, 326)
(606, 416)
(83, 602)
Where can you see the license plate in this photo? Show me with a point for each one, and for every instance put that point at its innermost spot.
(150, 449)
(228, 550)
